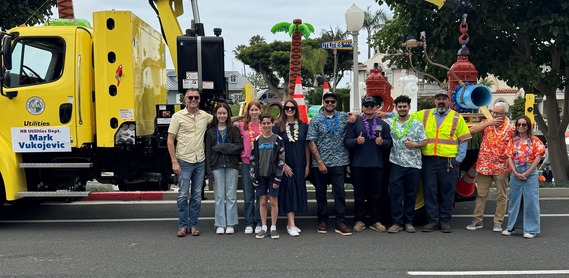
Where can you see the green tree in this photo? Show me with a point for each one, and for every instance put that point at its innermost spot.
(296, 29)
(343, 60)
(314, 61)
(518, 108)
(524, 42)
(30, 12)
(373, 21)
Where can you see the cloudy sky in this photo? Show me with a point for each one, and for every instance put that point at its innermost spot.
(240, 20)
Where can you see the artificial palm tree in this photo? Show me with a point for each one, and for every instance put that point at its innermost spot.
(296, 30)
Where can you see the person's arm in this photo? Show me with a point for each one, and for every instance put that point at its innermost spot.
(478, 128)
(252, 172)
(386, 135)
(308, 161)
(208, 153)
(314, 150)
(461, 151)
(172, 152)
(350, 138)
(232, 148)
(280, 165)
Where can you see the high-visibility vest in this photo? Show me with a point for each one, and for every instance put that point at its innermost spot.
(442, 141)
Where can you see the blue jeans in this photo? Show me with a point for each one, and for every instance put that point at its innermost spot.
(529, 191)
(251, 206)
(335, 176)
(190, 209)
(403, 183)
(225, 190)
(439, 186)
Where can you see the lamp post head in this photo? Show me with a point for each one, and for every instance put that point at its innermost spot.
(354, 18)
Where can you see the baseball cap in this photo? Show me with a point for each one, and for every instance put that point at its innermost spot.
(329, 94)
(369, 100)
(441, 93)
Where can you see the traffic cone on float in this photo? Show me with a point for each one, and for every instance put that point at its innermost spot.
(326, 88)
(299, 98)
(467, 183)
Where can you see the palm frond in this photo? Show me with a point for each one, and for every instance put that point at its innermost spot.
(310, 27)
(291, 29)
(281, 27)
(305, 30)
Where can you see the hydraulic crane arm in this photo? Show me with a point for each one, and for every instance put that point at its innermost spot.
(168, 12)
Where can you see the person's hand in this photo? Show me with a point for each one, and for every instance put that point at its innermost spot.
(496, 121)
(380, 113)
(520, 176)
(352, 118)
(275, 186)
(307, 170)
(322, 167)
(287, 171)
(379, 140)
(361, 139)
(409, 144)
(176, 168)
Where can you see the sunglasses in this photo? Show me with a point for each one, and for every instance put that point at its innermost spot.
(193, 98)
(329, 101)
(522, 124)
(368, 105)
(290, 108)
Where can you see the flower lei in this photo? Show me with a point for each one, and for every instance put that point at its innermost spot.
(396, 130)
(252, 134)
(294, 136)
(370, 133)
(496, 136)
(517, 151)
(331, 128)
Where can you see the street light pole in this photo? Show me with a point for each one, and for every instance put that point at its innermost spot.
(355, 21)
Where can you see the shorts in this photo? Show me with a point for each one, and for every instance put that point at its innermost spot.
(266, 187)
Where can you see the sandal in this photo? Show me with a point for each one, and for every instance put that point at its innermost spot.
(194, 231)
(182, 232)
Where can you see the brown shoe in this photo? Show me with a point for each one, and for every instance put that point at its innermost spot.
(360, 226)
(378, 227)
(194, 231)
(322, 229)
(394, 229)
(182, 232)
(409, 228)
(343, 230)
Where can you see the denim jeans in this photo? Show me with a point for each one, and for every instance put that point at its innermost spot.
(251, 206)
(192, 176)
(225, 191)
(529, 191)
(367, 182)
(335, 176)
(439, 186)
(403, 184)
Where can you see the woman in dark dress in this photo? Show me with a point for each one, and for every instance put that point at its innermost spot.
(292, 192)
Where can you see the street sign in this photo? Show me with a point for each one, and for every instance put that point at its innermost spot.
(341, 44)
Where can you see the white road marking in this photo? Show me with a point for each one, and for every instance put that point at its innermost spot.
(480, 273)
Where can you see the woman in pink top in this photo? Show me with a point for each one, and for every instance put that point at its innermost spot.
(250, 128)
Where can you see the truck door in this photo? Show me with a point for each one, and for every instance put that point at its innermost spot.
(43, 77)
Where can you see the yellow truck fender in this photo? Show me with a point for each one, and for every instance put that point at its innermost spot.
(13, 176)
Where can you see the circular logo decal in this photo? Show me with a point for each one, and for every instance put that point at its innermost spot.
(35, 105)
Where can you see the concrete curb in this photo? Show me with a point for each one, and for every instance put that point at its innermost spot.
(173, 194)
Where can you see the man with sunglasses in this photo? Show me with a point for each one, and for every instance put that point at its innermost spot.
(329, 158)
(187, 128)
(492, 165)
(367, 139)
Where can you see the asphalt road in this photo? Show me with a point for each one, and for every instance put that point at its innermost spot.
(137, 239)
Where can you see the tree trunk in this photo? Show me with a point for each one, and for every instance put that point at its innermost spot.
(267, 80)
(555, 135)
(295, 56)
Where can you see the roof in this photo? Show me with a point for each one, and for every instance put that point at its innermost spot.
(233, 85)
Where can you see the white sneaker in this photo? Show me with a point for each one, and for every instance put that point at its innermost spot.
(229, 230)
(220, 231)
(529, 235)
(292, 232)
(506, 232)
(497, 227)
(258, 229)
(296, 228)
(248, 230)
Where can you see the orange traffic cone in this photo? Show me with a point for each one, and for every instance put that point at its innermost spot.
(299, 97)
(326, 88)
(467, 183)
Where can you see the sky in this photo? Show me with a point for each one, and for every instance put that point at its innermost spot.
(240, 20)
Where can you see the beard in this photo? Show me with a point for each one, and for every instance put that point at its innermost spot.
(402, 114)
(441, 108)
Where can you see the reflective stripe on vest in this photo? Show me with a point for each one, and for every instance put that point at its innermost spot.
(441, 140)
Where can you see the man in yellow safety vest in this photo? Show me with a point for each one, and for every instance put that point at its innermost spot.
(447, 140)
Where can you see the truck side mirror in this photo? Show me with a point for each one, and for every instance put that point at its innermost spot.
(7, 52)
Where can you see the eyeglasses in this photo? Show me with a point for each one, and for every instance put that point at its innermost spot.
(290, 108)
(499, 113)
(521, 124)
(330, 101)
(369, 105)
(193, 97)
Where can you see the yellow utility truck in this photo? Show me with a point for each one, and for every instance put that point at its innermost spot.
(81, 102)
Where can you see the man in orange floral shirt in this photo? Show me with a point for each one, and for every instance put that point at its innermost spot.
(492, 165)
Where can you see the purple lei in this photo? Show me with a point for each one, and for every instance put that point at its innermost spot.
(370, 134)
(517, 151)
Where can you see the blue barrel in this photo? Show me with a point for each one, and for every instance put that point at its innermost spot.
(473, 96)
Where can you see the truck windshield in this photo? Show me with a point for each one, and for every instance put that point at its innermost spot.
(36, 60)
